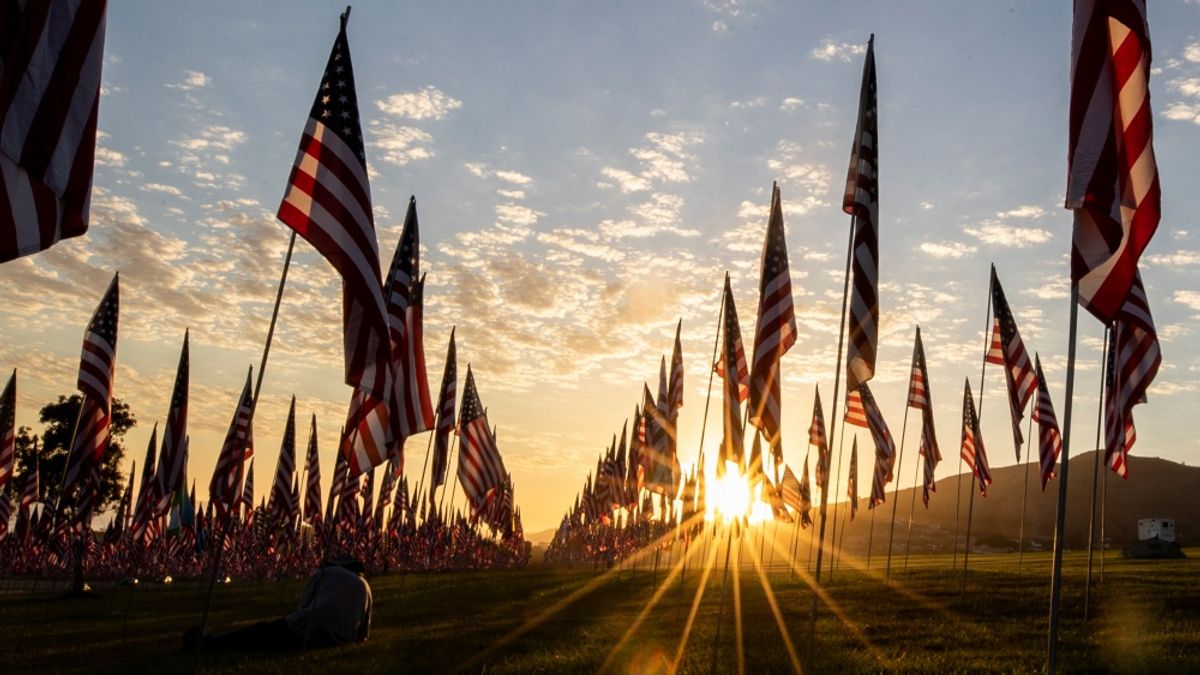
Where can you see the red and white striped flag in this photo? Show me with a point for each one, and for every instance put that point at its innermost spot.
(920, 398)
(1134, 359)
(227, 476)
(8, 430)
(147, 501)
(97, 364)
(855, 414)
(1112, 182)
(816, 436)
(885, 447)
(774, 332)
(312, 489)
(52, 53)
(675, 390)
(171, 459)
(247, 501)
(732, 443)
(404, 291)
(1008, 350)
(445, 418)
(1049, 438)
(852, 480)
(279, 503)
(480, 468)
(862, 201)
(972, 450)
(328, 202)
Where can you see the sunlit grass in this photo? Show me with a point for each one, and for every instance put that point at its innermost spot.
(1146, 619)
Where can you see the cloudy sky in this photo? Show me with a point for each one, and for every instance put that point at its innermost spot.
(585, 174)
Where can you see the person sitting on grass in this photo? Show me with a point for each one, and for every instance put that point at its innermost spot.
(335, 609)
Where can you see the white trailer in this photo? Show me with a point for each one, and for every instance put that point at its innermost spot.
(1162, 529)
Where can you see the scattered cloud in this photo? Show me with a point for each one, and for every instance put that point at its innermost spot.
(1052, 288)
(757, 102)
(1180, 258)
(192, 79)
(160, 187)
(925, 206)
(1000, 234)
(428, 103)
(830, 50)
(1026, 211)
(626, 181)
(1189, 299)
(106, 156)
(791, 103)
(398, 144)
(947, 249)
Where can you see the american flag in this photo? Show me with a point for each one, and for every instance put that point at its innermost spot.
(147, 501)
(445, 417)
(632, 466)
(385, 496)
(328, 202)
(816, 436)
(1112, 182)
(675, 391)
(5, 511)
(646, 435)
(370, 440)
(96, 367)
(852, 480)
(620, 489)
(170, 459)
(227, 476)
(341, 470)
(8, 429)
(247, 501)
(1049, 437)
(855, 414)
(805, 497)
(734, 332)
(920, 398)
(885, 447)
(774, 332)
(404, 289)
(480, 468)
(120, 522)
(793, 492)
(367, 492)
(312, 466)
(732, 444)
(1008, 350)
(49, 98)
(862, 201)
(280, 501)
(1134, 362)
(31, 491)
(663, 476)
(972, 451)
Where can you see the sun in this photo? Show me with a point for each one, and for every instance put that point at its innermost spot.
(731, 496)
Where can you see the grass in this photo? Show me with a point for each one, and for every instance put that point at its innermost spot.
(1145, 618)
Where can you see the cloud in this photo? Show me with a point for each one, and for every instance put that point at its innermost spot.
(1000, 234)
(1192, 52)
(160, 187)
(192, 80)
(719, 26)
(925, 206)
(1189, 299)
(626, 181)
(214, 136)
(791, 103)
(585, 242)
(830, 50)
(947, 249)
(108, 157)
(398, 144)
(1052, 288)
(481, 170)
(666, 156)
(629, 229)
(1180, 258)
(791, 169)
(751, 103)
(428, 103)
(1025, 211)
(514, 177)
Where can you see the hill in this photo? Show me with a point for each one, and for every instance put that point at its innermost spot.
(1156, 488)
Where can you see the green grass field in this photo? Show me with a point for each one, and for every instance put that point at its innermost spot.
(1145, 618)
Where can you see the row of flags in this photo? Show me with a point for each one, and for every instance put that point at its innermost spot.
(327, 201)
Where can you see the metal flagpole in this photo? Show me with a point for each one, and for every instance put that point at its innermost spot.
(1060, 518)
(913, 507)
(836, 548)
(1025, 496)
(721, 600)
(870, 537)
(896, 493)
(451, 477)
(1103, 503)
(220, 538)
(428, 449)
(1087, 584)
(987, 340)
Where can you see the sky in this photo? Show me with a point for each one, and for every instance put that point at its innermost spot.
(585, 173)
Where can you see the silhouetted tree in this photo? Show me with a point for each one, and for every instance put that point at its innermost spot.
(58, 420)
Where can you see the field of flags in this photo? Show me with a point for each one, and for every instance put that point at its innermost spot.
(163, 528)
(638, 497)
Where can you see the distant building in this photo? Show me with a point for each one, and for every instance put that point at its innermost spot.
(1156, 528)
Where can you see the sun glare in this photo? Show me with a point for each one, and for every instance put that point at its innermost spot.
(730, 496)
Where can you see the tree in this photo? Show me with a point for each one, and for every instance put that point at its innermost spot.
(58, 420)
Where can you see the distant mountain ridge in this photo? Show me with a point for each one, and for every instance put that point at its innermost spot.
(1156, 488)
